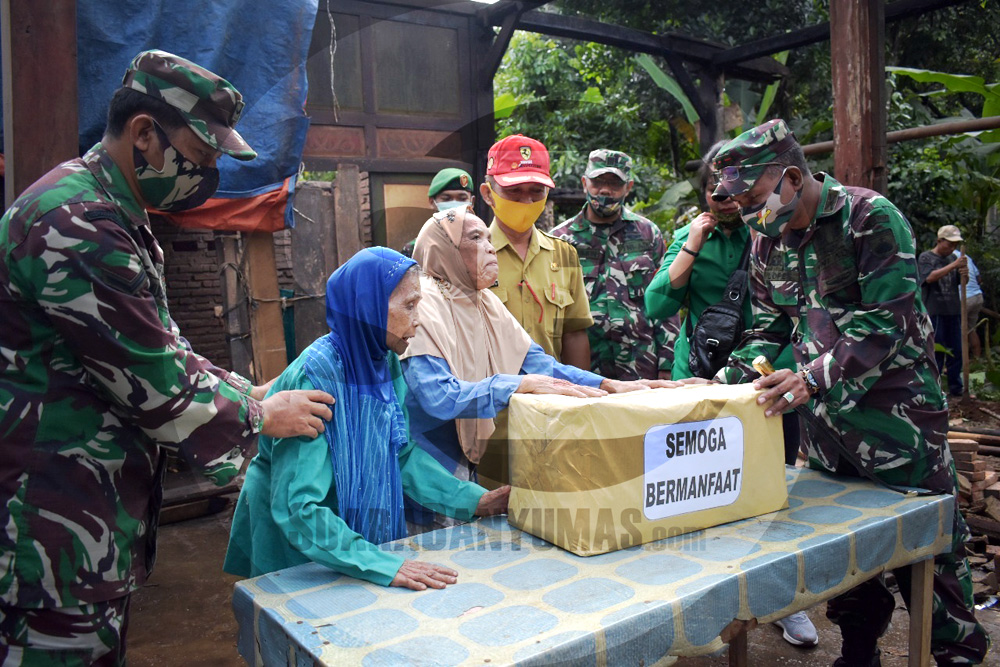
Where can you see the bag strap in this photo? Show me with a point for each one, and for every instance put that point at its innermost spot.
(736, 287)
(739, 283)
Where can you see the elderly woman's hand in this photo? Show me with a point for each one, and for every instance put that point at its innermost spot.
(493, 502)
(418, 575)
(622, 386)
(543, 384)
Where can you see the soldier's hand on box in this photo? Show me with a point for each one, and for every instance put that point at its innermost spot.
(417, 575)
(543, 384)
(493, 502)
(297, 412)
(783, 389)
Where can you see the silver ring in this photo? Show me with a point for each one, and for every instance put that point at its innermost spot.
(788, 396)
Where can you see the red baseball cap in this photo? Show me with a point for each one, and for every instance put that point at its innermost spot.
(519, 159)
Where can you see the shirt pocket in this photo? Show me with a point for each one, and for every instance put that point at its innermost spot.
(782, 282)
(638, 269)
(558, 299)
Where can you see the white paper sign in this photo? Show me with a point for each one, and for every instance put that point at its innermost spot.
(692, 466)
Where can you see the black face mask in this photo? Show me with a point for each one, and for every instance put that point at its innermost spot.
(729, 221)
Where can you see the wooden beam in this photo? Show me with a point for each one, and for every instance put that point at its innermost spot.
(705, 112)
(314, 258)
(857, 38)
(40, 126)
(820, 32)
(492, 60)
(683, 47)
(267, 331)
(921, 132)
(710, 93)
(921, 606)
(347, 212)
(235, 315)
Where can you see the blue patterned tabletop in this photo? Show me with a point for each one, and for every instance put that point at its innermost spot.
(523, 601)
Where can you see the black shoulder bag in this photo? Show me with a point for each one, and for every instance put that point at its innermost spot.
(720, 326)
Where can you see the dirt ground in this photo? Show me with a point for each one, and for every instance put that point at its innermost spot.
(183, 616)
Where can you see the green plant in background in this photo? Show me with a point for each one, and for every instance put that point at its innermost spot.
(328, 176)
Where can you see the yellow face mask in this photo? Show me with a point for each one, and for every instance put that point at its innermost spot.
(519, 217)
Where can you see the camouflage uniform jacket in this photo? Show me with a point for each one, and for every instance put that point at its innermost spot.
(619, 261)
(845, 291)
(95, 381)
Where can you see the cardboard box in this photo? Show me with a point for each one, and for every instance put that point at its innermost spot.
(601, 474)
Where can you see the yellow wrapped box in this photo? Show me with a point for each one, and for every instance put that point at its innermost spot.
(599, 474)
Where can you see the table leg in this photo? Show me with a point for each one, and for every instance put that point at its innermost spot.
(738, 650)
(921, 594)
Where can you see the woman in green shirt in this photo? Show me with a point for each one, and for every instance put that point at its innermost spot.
(331, 499)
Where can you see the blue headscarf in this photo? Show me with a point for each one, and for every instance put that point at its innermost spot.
(357, 312)
(368, 428)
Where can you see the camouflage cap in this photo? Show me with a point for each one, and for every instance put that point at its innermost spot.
(450, 179)
(604, 161)
(741, 162)
(209, 104)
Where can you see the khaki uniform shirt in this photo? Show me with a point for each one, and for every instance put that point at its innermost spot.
(545, 290)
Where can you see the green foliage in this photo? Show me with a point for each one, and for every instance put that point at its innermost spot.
(943, 66)
(318, 176)
(669, 84)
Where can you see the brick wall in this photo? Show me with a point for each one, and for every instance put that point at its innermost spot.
(194, 290)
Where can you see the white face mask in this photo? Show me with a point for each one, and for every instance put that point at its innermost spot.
(454, 203)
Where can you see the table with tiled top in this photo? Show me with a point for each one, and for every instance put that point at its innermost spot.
(523, 601)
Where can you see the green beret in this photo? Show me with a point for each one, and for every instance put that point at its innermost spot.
(450, 179)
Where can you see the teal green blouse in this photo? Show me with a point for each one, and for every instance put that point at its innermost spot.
(287, 511)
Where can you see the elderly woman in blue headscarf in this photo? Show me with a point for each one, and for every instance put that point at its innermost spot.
(332, 498)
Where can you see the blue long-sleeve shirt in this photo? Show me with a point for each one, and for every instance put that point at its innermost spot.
(436, 398)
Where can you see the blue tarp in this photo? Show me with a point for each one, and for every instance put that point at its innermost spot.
(260, 46)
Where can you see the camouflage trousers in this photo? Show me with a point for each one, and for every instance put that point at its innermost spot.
(91, 634)
(863, 613)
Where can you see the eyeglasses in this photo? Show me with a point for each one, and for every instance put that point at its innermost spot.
(733, 173)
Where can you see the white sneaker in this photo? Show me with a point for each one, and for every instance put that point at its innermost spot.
(798, 630)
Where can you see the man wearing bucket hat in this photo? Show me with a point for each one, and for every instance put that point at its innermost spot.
(540, 281)
(940, 276)
(96, 382)
(620, 252)
(833, 271)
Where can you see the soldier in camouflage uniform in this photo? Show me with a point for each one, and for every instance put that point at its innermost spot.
(96, 381)
(833, 270)
(620, 253)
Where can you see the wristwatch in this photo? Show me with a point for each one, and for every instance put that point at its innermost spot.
(810, 381)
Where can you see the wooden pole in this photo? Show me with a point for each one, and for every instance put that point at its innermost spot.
(857, 50)
(40, 125)
(965, 331)
(920, 132)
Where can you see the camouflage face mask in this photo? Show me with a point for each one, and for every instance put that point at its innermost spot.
(181, 184)
(771, 217)
(605, 206)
